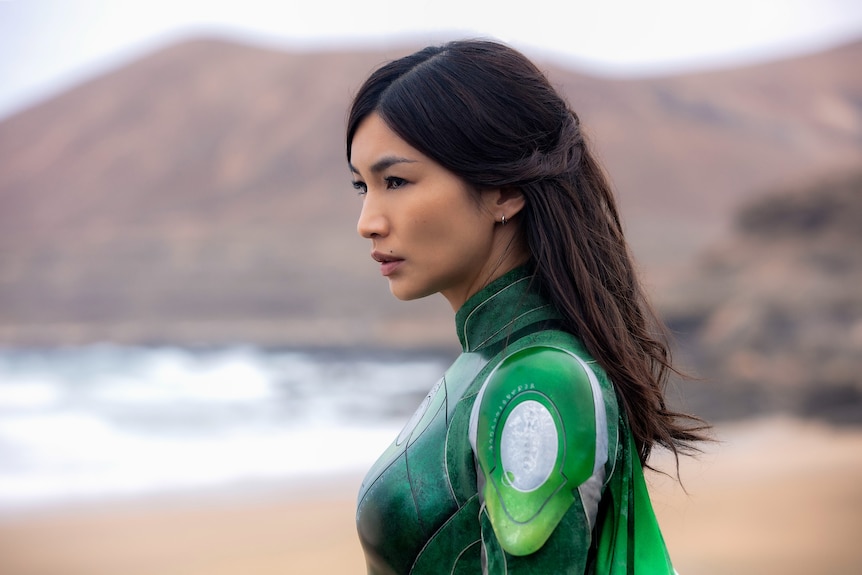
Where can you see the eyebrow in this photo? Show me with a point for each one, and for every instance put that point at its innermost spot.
(384, 163)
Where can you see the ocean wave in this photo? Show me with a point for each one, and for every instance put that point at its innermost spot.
(104, 421)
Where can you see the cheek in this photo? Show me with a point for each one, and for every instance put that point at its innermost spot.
(450, 222)
(431, 222)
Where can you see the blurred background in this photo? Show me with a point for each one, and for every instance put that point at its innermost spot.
(198, 359)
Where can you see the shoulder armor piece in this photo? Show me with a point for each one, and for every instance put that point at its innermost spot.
(539, 431)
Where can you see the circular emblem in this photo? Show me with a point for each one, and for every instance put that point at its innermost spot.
(528, 446)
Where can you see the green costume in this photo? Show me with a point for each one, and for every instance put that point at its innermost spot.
(518, 461)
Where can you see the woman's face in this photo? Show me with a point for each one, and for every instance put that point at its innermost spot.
(427, 228)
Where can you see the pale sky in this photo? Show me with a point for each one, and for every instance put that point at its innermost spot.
(49, 45)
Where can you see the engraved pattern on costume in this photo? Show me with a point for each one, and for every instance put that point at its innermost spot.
(442, 528)
(418, 414)
(446, 449)
(514, 320)
(529, 444)
(461, 554)
(484, 548)
(485, 553)
(467, 346)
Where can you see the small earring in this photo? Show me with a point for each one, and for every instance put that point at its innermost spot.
(503, 219)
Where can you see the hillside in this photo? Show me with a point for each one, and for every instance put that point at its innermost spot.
(200, 195)
(773, 315)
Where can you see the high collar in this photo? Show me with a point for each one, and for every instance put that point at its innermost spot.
(505, 305)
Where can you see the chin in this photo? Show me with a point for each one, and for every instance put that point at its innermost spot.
(404, 293)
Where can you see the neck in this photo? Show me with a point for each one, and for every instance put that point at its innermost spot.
(508, 253)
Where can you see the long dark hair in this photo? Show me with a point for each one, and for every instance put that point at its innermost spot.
(486, 113)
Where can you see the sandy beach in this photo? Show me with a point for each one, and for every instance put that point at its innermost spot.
(770, 496)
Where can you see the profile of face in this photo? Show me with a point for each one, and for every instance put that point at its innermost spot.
(429, 230)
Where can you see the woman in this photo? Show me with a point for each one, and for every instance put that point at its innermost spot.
(526, 457)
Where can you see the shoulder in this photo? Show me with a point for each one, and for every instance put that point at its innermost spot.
(538, 430)
(543, 365)
(556, 378)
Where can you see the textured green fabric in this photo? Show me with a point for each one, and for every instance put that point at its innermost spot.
(422, 507)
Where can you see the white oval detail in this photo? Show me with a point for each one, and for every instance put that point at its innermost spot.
(417, 415)
(528, 446)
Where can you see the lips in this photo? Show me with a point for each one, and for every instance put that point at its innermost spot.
(388, 262)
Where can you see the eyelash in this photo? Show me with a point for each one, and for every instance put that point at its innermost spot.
(392, 183)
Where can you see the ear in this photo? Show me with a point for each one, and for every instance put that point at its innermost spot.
(506, 201)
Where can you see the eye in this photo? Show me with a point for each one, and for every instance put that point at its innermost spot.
(394, 182)
(360, 188)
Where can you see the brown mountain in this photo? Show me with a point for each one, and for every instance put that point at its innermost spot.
(772, 315)
(200, 195)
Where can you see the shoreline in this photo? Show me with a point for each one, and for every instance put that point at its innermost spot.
(771, 495)
(728, 404)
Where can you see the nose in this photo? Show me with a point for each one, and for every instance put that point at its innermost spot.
(372, 221)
